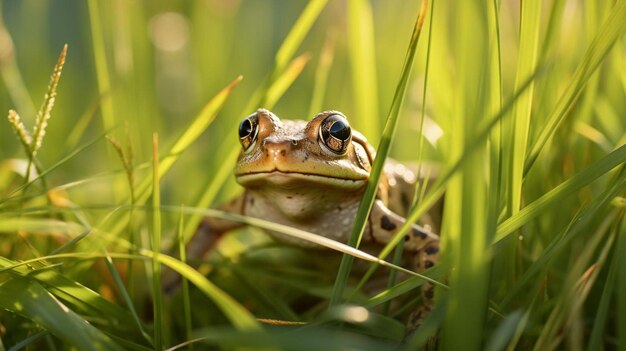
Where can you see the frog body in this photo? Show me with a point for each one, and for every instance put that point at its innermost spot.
(311, 176)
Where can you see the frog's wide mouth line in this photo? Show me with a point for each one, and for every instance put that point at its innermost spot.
(286, 177)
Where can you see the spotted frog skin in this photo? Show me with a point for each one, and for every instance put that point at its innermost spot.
(311, 176)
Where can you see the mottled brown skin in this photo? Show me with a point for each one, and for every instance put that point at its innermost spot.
(291, 176)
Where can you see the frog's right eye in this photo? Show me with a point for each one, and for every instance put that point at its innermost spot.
(335, 133)
(248, 131)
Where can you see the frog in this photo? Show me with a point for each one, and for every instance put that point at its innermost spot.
(312, 175)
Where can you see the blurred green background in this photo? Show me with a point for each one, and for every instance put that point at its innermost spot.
(139, 67)
(165, 60)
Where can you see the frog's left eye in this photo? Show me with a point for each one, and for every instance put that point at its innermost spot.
(335, 133)
(248, 131)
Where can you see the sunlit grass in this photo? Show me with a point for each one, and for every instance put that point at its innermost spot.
(530, 97)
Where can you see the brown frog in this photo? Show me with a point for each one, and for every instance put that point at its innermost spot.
(312, 175)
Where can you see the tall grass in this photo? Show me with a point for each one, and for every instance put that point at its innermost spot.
(530, 99)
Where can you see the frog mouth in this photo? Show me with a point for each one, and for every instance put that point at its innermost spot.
(293, 179)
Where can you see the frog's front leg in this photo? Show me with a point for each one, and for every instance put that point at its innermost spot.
(209, 231)
(423, 244)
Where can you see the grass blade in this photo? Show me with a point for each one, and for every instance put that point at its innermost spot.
(620, 251)
(297, 33)
(568, 187)
(102, 69)
(28, 298)
(382, 151)
(612, 29)
(284, 81)
(321, 76)
(526, 65)
(157, 294)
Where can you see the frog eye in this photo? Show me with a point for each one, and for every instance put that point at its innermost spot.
(335, 133)
(248, 131)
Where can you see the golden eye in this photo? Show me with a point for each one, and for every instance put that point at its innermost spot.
(335, 133)
(248, 131)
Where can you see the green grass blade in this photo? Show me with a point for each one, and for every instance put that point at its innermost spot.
(363, 66)
(28, 298)
(301, 27)
(101, 63)
(612, 29)
(83, 298)
(236, 314)
(120, 286)
(12, 77)
(506, 331)
(191, 134)
(577, 226)
(580, 278)
(157, 294)
(467, 232)
(568, 187)
(321, 77)
(526, 65)
(382, 151)
(604, 305)
(29, 340)
(436, 273)
(620, 251)
(182, 253)
(284, 81)
(58, 164)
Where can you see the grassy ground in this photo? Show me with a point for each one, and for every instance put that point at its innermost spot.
(522, 104)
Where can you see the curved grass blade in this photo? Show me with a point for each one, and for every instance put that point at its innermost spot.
(620, 251)
(612, 29)
(54, 166)
(28, 298)
(300, 29)
(604, 305)
(321, 76)
(382, 151)
(127, 299)
(11, 75)
(83, 298)
(284, 81)
(202, 121)
(236, 314)
(436, 273)
(285, 338)
(577, 226)
(505, 331)
(563, 321)
(568, 187)
(29, 340)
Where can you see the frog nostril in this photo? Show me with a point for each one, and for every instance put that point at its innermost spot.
(294, 142)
